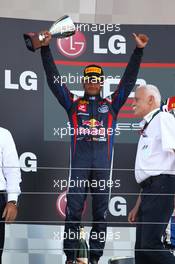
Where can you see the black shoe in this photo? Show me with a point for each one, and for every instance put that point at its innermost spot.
(70, 262)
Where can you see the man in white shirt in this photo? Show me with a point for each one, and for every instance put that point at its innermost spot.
(155, 172)
(10, 178)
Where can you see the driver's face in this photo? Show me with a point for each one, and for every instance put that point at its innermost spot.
(92, 86)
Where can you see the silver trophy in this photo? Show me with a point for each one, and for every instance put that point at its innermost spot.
(61, 28)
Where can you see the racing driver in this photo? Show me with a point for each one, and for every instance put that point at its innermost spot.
(93, 119)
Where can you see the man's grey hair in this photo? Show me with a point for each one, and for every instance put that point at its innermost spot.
(152, 90)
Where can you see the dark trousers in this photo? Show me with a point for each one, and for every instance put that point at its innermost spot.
(157, 204)
(2, 224)
(75, 203)
(91, 167)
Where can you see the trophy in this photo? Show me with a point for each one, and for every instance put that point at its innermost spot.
(61, 28)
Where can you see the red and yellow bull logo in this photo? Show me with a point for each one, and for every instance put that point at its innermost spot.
(92, 123)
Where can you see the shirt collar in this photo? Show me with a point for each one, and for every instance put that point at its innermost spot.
(149, 116)
(92, 97)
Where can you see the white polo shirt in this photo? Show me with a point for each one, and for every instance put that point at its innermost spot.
(10, 175)
(155, 151)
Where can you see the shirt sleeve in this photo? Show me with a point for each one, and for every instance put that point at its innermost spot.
(11, 167)
(167, 126)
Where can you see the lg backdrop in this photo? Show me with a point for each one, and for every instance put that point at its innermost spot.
(35, 119)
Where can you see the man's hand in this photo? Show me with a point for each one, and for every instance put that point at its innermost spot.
(141, 40)
(10, 212)
(47, 38)
(133, 215)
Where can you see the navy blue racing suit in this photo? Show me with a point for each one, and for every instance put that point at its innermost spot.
(93, 123)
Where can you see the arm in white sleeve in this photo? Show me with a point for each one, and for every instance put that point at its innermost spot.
(11, 167)
(167, 125)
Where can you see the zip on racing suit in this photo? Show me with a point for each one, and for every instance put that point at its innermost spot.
(93, 120)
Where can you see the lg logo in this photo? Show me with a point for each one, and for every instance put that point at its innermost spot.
(75, 45)
(118, 206)
(116, 45)
(27, 81)
(62, 202)
(28, 162)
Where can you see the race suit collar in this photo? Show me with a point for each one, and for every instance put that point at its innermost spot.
(92, 97)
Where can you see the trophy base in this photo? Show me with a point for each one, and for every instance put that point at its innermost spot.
(32, 41)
